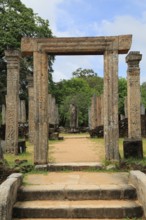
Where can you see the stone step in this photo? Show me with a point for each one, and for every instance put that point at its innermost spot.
(81, 166)
(62, 219)
(76, 192)
(78, 209)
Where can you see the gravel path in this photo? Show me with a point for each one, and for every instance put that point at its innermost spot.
(76, 149)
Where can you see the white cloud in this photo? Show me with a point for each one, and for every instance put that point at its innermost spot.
(62, 24)
(65, 65)
(47, 9)
(128, 25)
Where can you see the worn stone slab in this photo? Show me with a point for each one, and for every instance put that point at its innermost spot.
(78, 178)
(74, 166)
(78, 209)
(75, 192)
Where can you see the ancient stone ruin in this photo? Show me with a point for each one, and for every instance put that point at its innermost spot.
(110, 48)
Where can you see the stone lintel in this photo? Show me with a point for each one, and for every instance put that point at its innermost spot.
(76, 45)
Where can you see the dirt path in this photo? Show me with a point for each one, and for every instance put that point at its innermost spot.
(76, 149)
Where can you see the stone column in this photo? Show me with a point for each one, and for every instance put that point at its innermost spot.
(30, 108)
(111, 127)
(41, 108)
(99, 110)
(19, 111)
(102, 110)
(3, 114)
(125, 107)
(133, 146)
(93, 112)
(13, 66)
(23, 111)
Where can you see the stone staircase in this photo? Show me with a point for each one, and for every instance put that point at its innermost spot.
(77, 202)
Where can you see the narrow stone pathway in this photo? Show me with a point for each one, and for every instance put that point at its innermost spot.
(77, 148)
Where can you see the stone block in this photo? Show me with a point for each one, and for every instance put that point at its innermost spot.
(8, 195)
(133, 148)
(138, 180)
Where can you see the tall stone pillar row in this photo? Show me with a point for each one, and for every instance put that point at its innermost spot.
(111, 125)
(31, 108)
(12, 100)
(40, 108)
(133, 145)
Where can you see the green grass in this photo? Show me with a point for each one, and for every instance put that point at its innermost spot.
(28, 155)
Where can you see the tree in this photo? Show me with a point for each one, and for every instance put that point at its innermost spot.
(74, 91)
(143, 93)
(94, 81)
(17, 21)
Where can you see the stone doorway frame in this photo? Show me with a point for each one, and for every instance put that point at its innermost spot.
(40, 48)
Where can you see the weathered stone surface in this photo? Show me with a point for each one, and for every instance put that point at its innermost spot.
(111, 121)
(77, 46)
(133, 84)
(78, 209)
(125, 107)
(96, 114)
(41, 108)
(31, 109)
(138, 180)
(133, 148)
(23, 111)
(8, 195)
(3, 114)
(52, 111)
(134, 111)
(13, 66)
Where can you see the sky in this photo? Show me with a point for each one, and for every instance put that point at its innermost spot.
(91, 18)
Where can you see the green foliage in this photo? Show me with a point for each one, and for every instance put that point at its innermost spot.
(94, 81)
(74, 91)
(143, 93)
(17, 21)
(77, 91)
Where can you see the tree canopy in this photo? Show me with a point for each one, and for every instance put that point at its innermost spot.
(17, 21)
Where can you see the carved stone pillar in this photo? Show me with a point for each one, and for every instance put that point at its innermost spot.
(23, 111)
(125, 107)
(93, 112)
(30, 108)
(111, 128)
(133, 146)
(41, 108)
(13, 66)
(3, 114)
